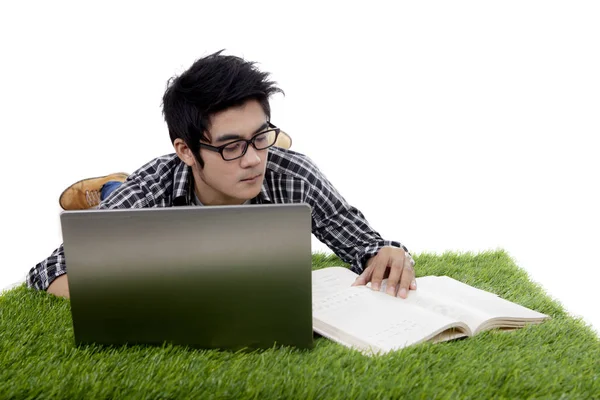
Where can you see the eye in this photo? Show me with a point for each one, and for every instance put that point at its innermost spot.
(261, 137)
(232, 148)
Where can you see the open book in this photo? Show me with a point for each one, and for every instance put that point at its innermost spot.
(440, 309)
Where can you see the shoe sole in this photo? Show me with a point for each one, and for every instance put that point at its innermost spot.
(123, 174)
(289, 138)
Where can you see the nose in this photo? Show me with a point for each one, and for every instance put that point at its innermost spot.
(251, 158)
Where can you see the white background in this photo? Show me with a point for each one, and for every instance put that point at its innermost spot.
(462, 126)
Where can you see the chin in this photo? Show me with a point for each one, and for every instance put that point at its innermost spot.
(247, 194)
(254, 193)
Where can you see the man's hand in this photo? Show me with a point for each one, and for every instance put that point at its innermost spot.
(392, 263)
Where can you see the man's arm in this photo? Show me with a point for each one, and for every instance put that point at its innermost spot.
(346, 231)
(60, 287)
(342, 227)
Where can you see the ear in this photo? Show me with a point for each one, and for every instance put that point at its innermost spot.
(184, 152)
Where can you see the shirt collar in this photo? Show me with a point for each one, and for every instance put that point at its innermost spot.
(263, 196)
(182, 185)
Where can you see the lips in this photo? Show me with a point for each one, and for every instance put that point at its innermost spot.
(251, 178)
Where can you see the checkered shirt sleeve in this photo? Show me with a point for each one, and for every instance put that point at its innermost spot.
(336, 223)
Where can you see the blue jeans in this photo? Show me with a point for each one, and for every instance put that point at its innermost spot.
(108, 188)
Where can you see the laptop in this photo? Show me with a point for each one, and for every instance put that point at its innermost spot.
(222, 277)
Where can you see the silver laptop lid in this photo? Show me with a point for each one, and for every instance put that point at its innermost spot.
(211, 277)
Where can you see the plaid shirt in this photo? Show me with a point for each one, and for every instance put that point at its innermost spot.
(290, 177)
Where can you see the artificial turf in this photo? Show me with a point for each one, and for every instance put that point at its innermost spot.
(558, 359)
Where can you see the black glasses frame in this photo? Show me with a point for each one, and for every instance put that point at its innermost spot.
(251, 141)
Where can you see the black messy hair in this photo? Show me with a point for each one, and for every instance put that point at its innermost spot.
(212, 84)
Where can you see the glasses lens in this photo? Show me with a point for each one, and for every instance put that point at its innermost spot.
(265, 139)
(234, 150)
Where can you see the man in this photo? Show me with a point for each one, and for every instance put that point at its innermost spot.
(219, 121)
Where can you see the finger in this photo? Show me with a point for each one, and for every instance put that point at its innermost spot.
(395, 274)
(408, 276)
(413, 284)
(379, 266)
(365, 277)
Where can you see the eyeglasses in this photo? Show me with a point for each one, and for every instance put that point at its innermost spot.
(238, 148)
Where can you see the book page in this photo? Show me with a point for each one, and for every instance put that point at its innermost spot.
(445, 284)
(427, 296)
(372, 318)
(378, 319)
(422, 297)
(479, 302)
(330, 280)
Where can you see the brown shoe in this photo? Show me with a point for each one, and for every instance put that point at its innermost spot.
(283, 140)
(86, 193)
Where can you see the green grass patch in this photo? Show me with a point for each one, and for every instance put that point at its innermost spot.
(557, 359)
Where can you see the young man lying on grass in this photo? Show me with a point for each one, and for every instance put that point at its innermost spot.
(219, 121)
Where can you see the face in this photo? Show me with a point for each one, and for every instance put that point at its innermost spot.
(233, 182)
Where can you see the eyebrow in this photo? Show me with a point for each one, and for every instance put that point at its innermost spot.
(230, 136)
